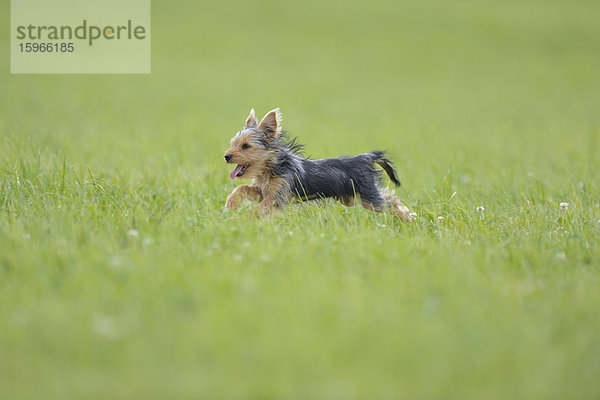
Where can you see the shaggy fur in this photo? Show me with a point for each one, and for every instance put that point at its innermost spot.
(279, 172)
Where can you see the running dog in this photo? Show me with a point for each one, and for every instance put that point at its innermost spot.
(279, 173)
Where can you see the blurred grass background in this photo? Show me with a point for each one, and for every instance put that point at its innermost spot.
(121, 277)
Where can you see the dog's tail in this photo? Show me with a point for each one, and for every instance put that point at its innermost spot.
(378, 157)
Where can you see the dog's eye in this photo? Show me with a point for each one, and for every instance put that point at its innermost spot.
(245, 146)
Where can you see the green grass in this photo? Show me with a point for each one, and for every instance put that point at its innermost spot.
(121, 277)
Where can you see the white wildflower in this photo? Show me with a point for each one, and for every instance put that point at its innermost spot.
(564, 206)
(480, 209)
(133, 233)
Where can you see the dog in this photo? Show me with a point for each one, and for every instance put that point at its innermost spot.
(279, 172)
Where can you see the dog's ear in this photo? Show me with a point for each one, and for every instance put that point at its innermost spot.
(251, 121)
(271, 124)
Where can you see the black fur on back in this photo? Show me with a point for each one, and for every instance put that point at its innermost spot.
(341, 178)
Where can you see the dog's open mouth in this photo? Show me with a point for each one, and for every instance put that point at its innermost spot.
(238, 171)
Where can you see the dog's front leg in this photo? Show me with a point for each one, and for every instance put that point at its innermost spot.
(235, 198)
(267, 205)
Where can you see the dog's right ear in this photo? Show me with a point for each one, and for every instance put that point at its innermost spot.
(251, 121)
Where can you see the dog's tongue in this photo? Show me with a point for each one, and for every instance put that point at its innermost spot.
(236, 171)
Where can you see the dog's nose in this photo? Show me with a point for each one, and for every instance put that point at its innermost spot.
(228, 157)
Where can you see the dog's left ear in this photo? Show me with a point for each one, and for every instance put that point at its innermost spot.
(271, 124)
(251, 121)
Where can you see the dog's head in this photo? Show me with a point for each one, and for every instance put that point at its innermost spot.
(250, 148)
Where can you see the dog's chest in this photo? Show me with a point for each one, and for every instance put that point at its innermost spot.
(269, 185)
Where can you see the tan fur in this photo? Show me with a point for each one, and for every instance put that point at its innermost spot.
(256, 157)
(240, 193)
(268, 204)
(395, 205)
(270, 190)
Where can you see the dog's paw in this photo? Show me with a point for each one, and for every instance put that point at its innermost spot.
(232, 202)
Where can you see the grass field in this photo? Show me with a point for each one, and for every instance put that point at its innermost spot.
(122, 278)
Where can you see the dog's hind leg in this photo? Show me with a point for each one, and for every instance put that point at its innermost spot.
(372, 206)
(394, 204)
(348, 201)
(384, 201)
(373, 201)
(370, 195)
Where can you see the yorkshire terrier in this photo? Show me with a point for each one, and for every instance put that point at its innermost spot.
(263, 152)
